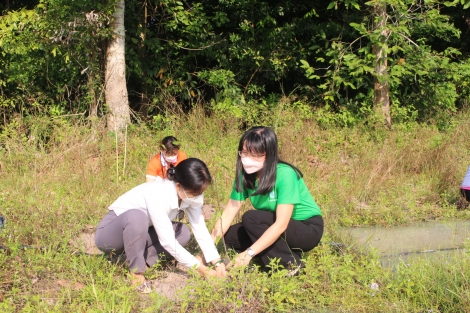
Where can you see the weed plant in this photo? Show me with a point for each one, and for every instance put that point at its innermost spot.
(58, 176)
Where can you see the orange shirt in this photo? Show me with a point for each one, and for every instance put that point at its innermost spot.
(155, 167)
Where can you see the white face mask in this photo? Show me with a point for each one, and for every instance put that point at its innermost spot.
(251, 166)
(194, 202)
(171, 159)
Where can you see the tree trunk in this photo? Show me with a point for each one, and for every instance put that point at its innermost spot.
(115, 75)
(381, 88)
(144, 103)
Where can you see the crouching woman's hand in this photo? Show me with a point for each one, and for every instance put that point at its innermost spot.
(205, 271)
(220, 269)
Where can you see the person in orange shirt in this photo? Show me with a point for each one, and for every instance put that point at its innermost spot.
(170, 155)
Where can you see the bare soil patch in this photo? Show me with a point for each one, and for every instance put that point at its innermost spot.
(85, 242)
(170, 284)
(167, 284)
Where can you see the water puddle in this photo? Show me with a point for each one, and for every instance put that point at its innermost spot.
(434, 239)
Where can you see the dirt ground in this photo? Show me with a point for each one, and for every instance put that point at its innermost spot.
(168, 282)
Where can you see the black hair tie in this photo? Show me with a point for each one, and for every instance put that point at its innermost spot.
(171, 171)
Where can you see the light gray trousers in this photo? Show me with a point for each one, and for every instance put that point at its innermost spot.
(129, 233)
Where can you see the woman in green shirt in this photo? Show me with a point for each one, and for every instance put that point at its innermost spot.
(286, 221)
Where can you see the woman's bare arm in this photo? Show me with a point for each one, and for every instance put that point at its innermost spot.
(224, 222)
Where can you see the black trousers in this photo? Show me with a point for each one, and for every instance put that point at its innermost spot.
(465, 193)
(300, 236)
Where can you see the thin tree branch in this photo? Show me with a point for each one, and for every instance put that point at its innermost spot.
(408, 39)
(192, 49)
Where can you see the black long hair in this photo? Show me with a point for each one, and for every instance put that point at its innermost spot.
(260, 140)
(192, 174)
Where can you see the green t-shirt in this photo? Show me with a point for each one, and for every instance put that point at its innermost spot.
(289, 189)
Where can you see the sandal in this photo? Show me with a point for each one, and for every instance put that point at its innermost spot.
(144, 288)
(294, 270)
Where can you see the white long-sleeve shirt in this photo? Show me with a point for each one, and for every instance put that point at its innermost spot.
(159, 200)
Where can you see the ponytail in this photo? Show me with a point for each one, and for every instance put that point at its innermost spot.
(171, 172)
(192, 174)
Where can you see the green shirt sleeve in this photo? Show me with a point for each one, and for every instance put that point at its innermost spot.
(287, 186)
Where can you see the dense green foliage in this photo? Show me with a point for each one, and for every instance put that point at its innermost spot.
(51, 56)
(237, 55)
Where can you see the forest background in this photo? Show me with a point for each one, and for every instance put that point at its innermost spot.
(369, 99)
(340, 59)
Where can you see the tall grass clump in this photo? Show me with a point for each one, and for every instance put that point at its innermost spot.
(59, 175)
(387, 178)
(438, 285)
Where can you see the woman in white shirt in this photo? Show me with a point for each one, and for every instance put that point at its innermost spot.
(141, 222)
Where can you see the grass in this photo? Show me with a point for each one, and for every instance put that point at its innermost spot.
(58, 176)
